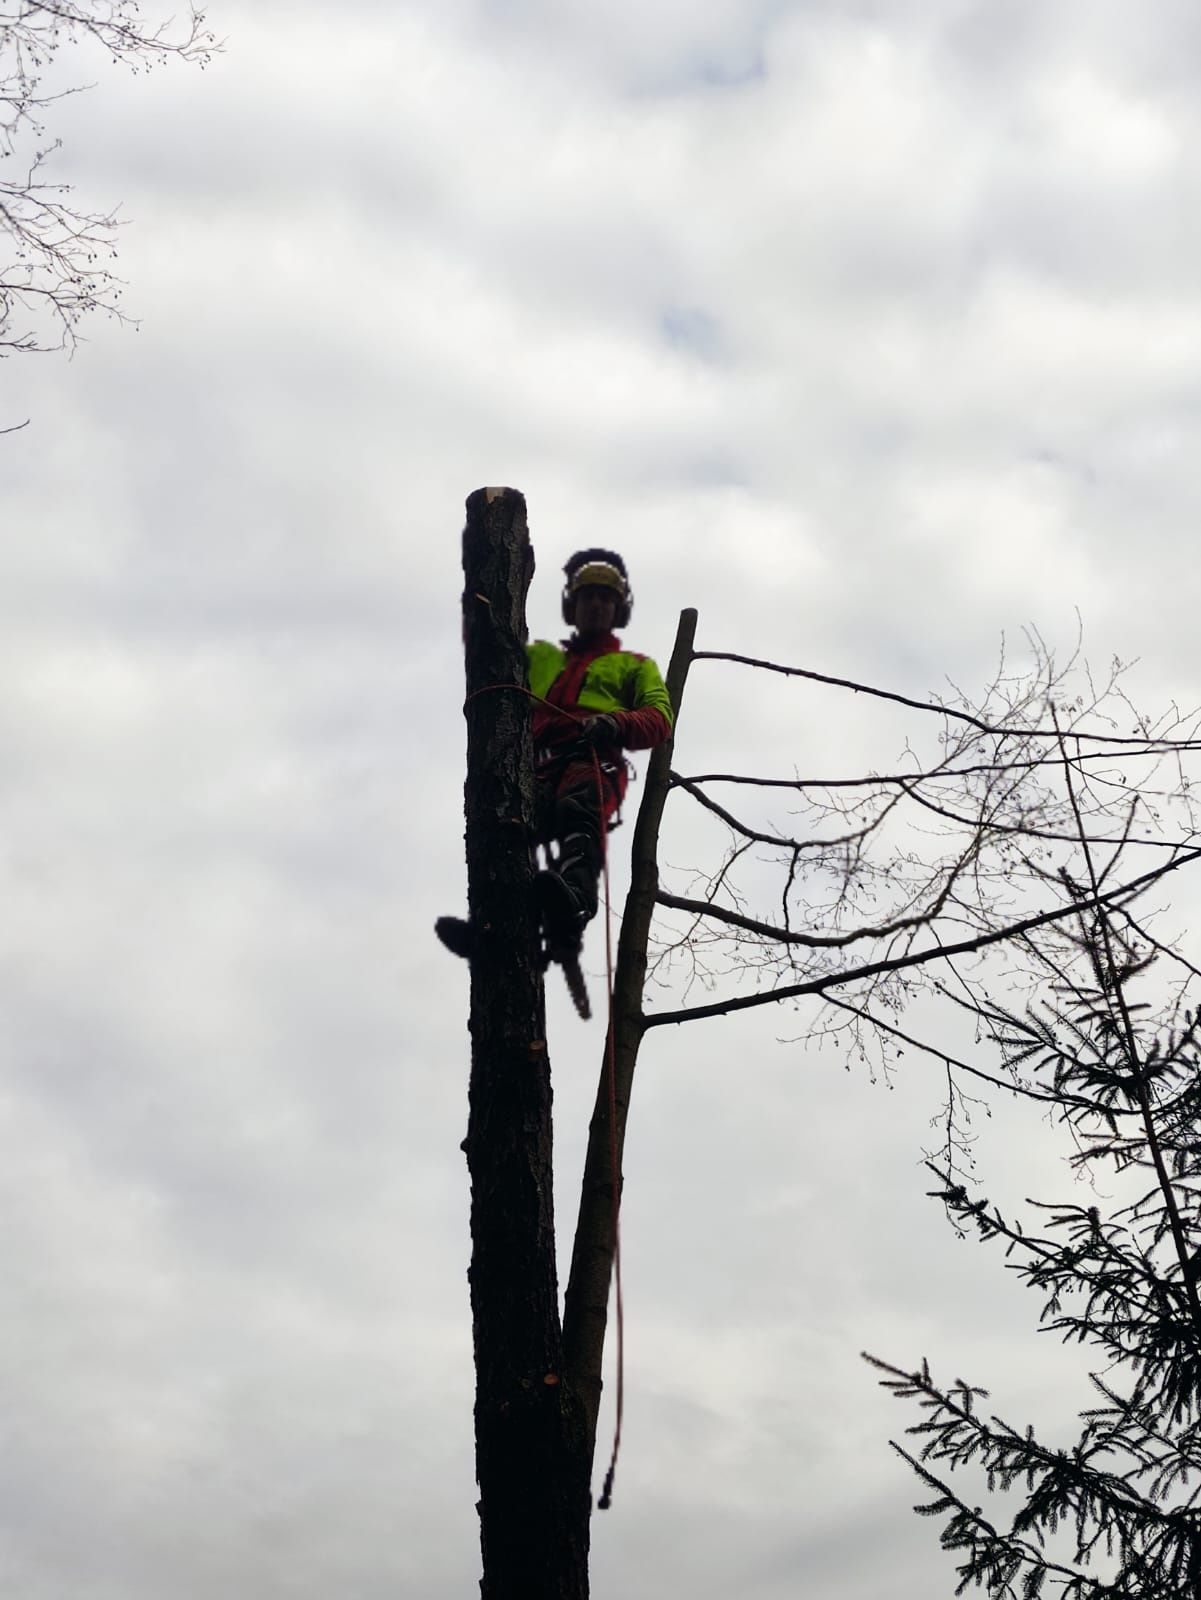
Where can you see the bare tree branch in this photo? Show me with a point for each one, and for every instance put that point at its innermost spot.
(937, 708)
(833, 980)
(1010, 1086)
(59, 267)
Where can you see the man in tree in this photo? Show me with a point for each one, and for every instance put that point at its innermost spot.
(593, 699)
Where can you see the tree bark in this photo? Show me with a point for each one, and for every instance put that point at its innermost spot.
(585, 1313)
(531, 1463)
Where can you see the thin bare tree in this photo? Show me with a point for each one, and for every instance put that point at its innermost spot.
(57, 267)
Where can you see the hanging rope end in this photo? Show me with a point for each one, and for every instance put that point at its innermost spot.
(606, 1495)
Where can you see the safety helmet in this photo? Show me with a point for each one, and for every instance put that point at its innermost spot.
(601, 567)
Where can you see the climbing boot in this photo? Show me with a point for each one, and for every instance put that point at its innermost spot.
(567, 894)
(562, 920)
(457, 934)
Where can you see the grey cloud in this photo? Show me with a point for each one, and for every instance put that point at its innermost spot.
(928, 373)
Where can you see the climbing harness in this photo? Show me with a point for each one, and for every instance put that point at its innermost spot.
(559, 950)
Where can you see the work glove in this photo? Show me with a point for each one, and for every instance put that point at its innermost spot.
(600, 732)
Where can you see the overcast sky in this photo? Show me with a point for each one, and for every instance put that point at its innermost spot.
(871, 330)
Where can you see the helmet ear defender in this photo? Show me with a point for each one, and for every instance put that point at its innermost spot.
(624, 596)
(621, 618)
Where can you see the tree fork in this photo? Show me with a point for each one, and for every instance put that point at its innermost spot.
(531, 1463)
(585, 1312)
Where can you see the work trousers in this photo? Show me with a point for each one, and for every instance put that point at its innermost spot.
(573, 811)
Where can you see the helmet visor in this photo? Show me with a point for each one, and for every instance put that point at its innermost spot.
(598, 573)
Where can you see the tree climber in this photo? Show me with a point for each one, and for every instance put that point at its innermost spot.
(594, 699)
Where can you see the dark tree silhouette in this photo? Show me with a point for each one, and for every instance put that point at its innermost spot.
(1118, 1055)
(988, 859)
(531, 1467)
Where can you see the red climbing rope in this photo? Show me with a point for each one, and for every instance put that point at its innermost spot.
(606, 1497)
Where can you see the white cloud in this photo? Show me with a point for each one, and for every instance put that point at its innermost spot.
(868, 331)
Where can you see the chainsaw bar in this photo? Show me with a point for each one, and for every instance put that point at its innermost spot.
(560, 940)
(576, 987)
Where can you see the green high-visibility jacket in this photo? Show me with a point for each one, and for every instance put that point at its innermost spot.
(602, 678)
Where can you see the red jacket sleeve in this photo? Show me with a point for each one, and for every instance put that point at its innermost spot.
(642, 730)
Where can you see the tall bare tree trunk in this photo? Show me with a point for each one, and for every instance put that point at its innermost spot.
(531, 1455)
